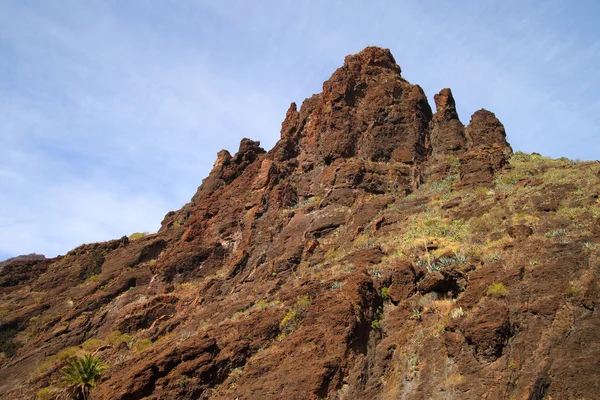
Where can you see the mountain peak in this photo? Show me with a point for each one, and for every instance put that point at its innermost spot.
(445, 105)
(372, 56)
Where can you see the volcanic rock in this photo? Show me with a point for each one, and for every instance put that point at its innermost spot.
(298, 273)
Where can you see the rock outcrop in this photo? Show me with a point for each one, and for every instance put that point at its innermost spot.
(379, 250)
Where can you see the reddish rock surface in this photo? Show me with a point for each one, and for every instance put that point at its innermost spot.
(377, 251)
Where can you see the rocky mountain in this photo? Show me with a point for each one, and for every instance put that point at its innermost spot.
(25, 257)
(380, 250)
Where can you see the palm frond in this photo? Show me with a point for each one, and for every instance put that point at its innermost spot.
(82, 373)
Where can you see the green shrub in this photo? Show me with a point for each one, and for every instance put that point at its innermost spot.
(362, 241)
(556, 233)
(493, 257)
(303, 302)
(445, 262)
(115, 338)
(67, 353)
(431, 224)
(453, 162)
(385, 293)
(92, 344)
(416, 314)
(82, 374)
(481, 192)
(142, 344)
(377, 317)
(497, 290)
(137, 235)
(46, 393)
(290, 322)
(260, 305)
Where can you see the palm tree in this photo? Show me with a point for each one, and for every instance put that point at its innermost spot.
(82, 373)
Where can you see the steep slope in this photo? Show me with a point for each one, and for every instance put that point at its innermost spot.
(379, 250)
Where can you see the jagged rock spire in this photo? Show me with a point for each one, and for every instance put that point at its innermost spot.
(366, 110)
(228, 167)
(486, 129)
(448, 133)
(488, 149)
(369, 112)
(445, 106)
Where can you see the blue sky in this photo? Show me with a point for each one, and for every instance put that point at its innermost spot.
(112, 112)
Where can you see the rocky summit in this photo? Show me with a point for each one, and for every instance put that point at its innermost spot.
(381, 250)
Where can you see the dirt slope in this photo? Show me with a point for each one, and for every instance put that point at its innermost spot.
(378, 251)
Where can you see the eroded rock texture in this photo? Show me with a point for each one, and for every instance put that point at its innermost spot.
(378, 251)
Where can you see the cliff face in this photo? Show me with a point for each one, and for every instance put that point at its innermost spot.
(379, 250)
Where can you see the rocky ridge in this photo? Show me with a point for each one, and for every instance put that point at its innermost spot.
(379, 250)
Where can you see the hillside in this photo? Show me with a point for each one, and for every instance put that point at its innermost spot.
(380, 250)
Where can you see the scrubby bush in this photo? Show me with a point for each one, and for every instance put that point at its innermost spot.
(337, 285)
(556, 233)
(68, 353)
(497, 290)
(46, 393)
(416, 314)
(115, 338)
(385, 293)
(495, 256)
(290, 322)
(142, 344)
(92, 344)
(137, 235)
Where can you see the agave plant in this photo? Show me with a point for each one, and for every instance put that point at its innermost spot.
(82, 373)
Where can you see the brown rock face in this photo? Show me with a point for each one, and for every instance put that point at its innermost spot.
(475, 152)
(447, 139)
(366, 110)
(227, 168)
(360, 258)
(448, 134)
(485, 130)
(488, 149)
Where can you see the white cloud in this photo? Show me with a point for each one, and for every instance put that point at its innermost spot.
(104, 137)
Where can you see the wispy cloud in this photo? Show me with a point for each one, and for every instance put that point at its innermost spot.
(102, 135)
